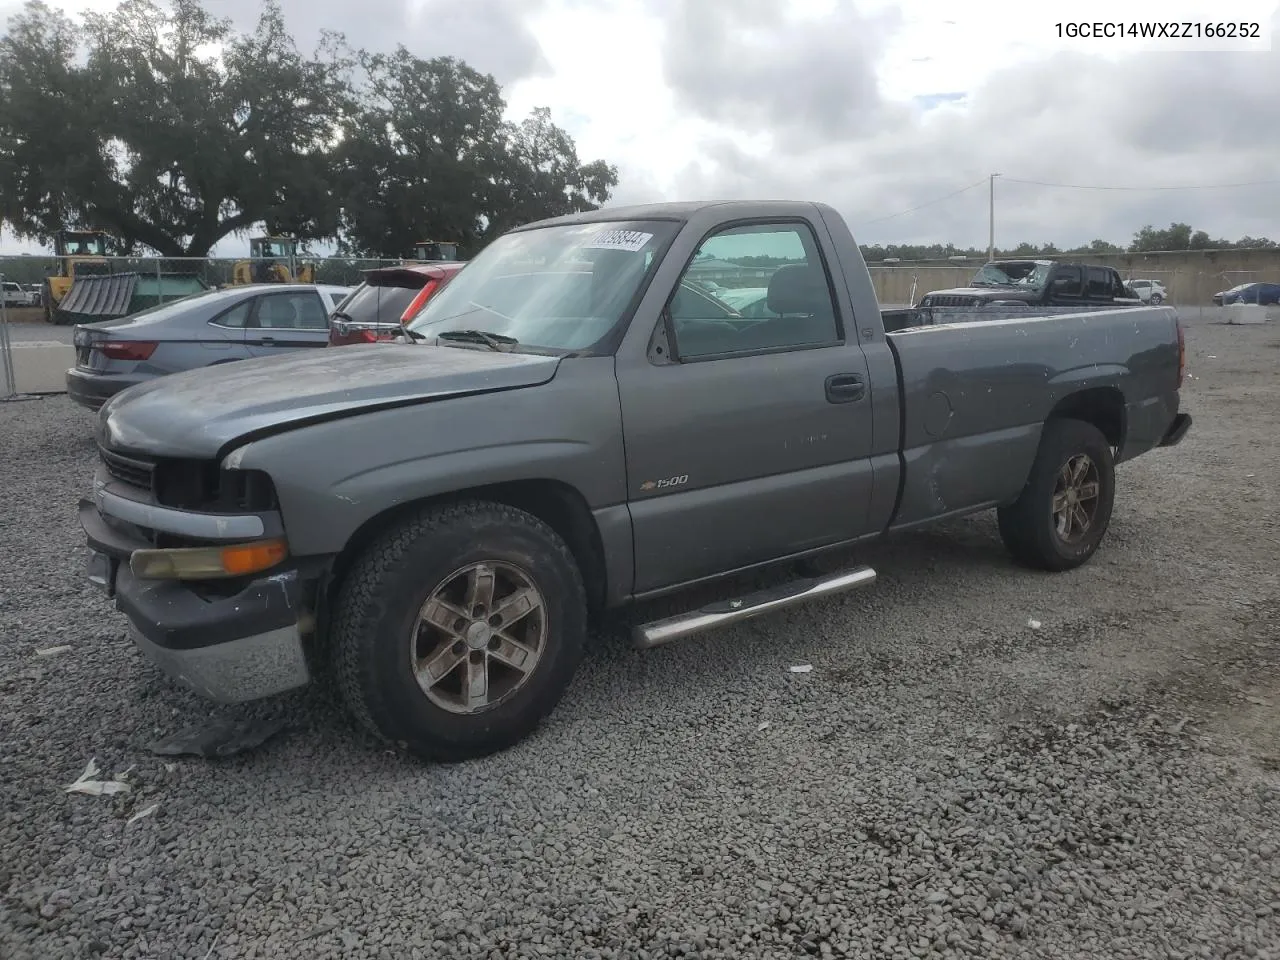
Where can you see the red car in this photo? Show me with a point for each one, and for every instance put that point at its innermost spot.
(388, 298)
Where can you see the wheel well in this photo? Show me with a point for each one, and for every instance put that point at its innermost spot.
(1101, 406)
(556, 504)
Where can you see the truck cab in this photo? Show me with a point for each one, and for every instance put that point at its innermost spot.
(273, 259)
(434, 251)
(80, 253)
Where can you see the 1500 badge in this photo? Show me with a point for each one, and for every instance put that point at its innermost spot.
(663, 484)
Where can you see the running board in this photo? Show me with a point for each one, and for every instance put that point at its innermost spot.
(655, 634)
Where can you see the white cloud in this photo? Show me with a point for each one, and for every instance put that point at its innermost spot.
(876, 106)
(961, 91)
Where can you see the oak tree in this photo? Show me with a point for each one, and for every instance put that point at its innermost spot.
(165, 127)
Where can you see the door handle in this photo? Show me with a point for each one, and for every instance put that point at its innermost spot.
(266, 340)
(845, 388)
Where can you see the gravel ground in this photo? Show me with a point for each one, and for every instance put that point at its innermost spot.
(948, 780)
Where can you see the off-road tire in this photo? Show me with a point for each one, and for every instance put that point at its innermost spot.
(379, 601)
(1027, 526)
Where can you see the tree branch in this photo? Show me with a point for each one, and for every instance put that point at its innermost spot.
(130, 226)
(240, 221)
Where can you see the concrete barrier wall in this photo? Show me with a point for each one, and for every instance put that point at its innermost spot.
(1191, 277)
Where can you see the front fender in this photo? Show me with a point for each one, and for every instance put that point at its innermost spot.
(334, 476)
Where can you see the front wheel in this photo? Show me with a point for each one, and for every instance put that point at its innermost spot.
(459, 630)
(1062, 514)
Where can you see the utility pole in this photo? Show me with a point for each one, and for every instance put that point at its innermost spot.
(991, 220)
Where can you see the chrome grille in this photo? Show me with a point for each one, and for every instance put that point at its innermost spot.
(130, 470)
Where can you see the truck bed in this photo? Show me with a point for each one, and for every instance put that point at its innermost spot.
(973, 397)
(900, 317)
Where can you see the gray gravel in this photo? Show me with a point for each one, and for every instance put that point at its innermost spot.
(946, 781)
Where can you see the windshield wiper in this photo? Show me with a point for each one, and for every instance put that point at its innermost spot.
(413, 335)
(494, 341)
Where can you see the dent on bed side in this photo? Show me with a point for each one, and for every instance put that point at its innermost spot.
(958, 474)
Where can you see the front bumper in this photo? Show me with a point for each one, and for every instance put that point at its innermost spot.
(1177, 430)
(247, 668)
(243, 646)
(92, 390)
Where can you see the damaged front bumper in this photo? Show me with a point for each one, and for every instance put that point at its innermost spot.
(243, 647)
(1177, 430)
(243, 642)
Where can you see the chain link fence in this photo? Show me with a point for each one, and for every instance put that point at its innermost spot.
(9, 387)
(31, 271)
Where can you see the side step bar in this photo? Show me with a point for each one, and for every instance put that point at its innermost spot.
(655, 634)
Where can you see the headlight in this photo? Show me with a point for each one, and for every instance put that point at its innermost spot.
(208, 563)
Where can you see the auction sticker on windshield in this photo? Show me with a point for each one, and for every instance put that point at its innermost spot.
(630, 240)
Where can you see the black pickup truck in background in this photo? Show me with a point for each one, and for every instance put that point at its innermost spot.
(1018, 285)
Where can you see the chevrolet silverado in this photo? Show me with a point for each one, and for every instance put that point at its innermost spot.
(580, 420)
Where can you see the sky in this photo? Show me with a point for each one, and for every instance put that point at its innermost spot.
(877, 108)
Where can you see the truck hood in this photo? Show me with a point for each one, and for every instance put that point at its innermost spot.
(199, 412)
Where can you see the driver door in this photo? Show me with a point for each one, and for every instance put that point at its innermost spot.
(1066, 286)
(747, 439)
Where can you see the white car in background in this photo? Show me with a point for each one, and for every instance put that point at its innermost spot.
(15, 294)
(1149, 291)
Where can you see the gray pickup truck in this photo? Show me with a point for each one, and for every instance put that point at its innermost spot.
(598, 409)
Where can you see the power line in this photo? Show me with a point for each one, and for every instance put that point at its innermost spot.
(928, 203)
(1188, 186)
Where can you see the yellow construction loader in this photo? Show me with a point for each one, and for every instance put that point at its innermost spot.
(80, 253)
(88, 286)
(273, 260)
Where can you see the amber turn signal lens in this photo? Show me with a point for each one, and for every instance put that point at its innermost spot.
(252, 557)
(207, 563)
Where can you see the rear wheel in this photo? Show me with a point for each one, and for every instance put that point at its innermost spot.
(459, 631)
(1156, 300)
(1063, 512)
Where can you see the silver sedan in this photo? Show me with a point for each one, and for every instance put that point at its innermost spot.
(217, 326)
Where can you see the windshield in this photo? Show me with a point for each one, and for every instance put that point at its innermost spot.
(558, 288)
(88, 245)
(1013, 273)
(374, 304)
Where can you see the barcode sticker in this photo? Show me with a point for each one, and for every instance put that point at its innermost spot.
(630, 240)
